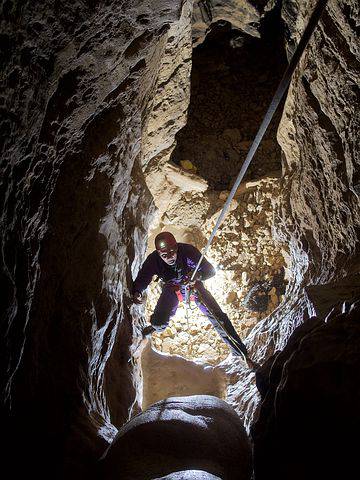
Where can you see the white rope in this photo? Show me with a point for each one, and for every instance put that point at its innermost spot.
(284, 83)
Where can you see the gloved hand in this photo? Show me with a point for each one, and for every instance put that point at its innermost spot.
(138, 298)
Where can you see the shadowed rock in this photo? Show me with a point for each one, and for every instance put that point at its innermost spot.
(311, 395)
(199, 432)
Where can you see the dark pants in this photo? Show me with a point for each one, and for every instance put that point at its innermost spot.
(168, 303)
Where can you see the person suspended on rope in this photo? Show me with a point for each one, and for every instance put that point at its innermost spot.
(173, 263)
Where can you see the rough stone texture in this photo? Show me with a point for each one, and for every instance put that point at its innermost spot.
(244, 254)
(232, 81)
(241, 14)
(77, 117)
(79, 78)
(168, 109)
(318, 134)
(309, 416)
(170, 101)
(230, 93)
(197, 432)
(318, 217)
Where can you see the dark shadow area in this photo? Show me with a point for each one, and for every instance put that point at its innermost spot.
(233, 79)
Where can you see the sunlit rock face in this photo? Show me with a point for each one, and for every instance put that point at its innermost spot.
(180, 434)
(79, 78)
(230, 92)
(318, 132)
(173, 375)
(241, 14)
(311, 391)
(318, 212)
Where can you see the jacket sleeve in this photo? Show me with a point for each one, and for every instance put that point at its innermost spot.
(145, 275)
(206, 269)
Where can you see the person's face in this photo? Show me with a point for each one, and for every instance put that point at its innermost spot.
(169, 256)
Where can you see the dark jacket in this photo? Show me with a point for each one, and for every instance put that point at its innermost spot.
(187, 259)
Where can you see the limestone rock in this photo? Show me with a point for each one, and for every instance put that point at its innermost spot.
(242, 14)
(311, 393)
(319, 127)
(77, 104)
(167, 375)
(318, 214)
(181, 434)
(185, 180)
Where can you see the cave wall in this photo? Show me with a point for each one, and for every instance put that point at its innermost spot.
(319, 203)
(319, 135)
(309, 415)
(79, 87)
(243, 15)
(78, 81)
(318, 206)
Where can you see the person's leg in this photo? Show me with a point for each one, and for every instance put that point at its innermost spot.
(165, 308)
(209, 307)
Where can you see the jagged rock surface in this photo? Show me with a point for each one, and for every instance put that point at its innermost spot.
(232, 83)
(318, 208)
(79, 78)
(79, 84)
(181, 434)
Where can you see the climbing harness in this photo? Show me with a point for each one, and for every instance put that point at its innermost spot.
(284, 83)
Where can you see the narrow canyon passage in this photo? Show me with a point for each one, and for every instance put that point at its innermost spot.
(232, 81)
(233, 78)
(121, 120)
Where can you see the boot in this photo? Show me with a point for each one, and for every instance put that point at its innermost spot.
(147, 331)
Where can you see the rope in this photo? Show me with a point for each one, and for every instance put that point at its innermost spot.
(284, 83)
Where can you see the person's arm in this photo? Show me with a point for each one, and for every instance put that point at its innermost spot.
(206, 270)
(145, 275)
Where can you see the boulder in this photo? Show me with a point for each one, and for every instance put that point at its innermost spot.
(198, 432)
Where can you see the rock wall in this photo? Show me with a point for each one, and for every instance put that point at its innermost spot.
(318, 135)
(318, 208)
(233, 79)
(169, 375)
(241, 14)
(319, 204)
(78, 83)
(311, 391)
(81, 114)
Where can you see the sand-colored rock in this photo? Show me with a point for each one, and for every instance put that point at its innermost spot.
(242, 14)
(166, 376)
(77, 112)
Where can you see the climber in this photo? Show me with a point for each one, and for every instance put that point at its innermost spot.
(173, 263)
